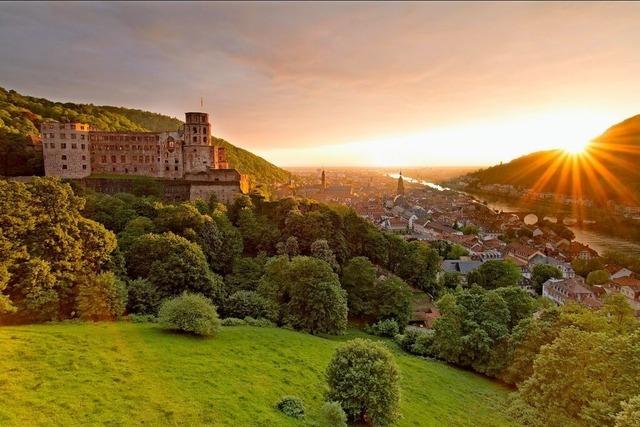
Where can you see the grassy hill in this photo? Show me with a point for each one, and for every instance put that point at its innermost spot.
(606, 170)
(126, 373)
(21, 116)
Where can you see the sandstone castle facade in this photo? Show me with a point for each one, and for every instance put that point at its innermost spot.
(186, 161)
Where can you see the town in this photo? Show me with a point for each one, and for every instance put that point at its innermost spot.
(475, 232)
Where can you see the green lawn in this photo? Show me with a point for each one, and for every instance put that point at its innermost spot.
(124, 373)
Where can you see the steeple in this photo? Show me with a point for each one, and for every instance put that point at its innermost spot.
(400, 190)
(324, 180)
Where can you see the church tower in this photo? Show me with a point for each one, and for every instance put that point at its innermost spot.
(199, 154)
(400, 190)
(324, 180)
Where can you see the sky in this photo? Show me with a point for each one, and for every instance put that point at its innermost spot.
(343, 84)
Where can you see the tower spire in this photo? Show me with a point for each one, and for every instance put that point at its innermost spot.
(201, 103)
(400, 190)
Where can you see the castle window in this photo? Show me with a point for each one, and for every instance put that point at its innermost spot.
(204, 139)
(63, 136)
(63, 145)
(50, 135)
(84, 167)
(175, 168)
(195, 129)
(113, 159)
(82, 145)
(64, 166)
(84, 157)
(64, 157)
(74, 146)
(166, 168)
(135, 169)
(82, 137)
(195, 139)
(53, 145)
(45, 145)
(123, 159)
(104, 159)
(73, 136)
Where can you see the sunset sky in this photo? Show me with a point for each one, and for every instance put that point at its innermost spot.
(343, 84)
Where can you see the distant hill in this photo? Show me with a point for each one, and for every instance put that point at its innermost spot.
(21, 116)
(607, 170)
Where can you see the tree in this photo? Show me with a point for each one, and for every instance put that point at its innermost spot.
(103, 297)
(191, 313)
(470, 229)
(320, 249)
(519, 303)
(173, 265)
(598, 277)
(495, 274)
(246, 274)
(142, 297)
(419, 267)
(364, 378)
(231, 247)
(46, 249)
(630, 414)
(619, 313)
(182, 219)
(249, 304)
(456, 252)
(307, 293)
(450, 280)
(358, 279)
(599, 371)
(543, 272)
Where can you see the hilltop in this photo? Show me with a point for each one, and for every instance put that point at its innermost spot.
(607, 170)
(121, 373)
(21, 116)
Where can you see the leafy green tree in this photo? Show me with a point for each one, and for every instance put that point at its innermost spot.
(307, 293)
(495, 274)
(191, 313)
(543, 272)
(358, 279)
(143, 297)
(456, 252)
(210, 238)
(620, 314)
(173, 265)
(132, 230)
(583, 267)
(599, 372)
(232, 246)
(450, 280)
(470, 229)
(364, 378)
(182, 219)
(110, 211)
(520, 303)
(249, 304)
(598, 277)
(320, 249)
(103, 297)
(419, 267)
(246, 274)
(46, 249)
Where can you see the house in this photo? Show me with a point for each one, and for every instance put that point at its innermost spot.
(564, 267)
(463, 267)
(577, 250)
(395, 225)
(617, 271)
(563, 291)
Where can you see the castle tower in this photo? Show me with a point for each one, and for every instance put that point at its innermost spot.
(198, 153)
(400, 190)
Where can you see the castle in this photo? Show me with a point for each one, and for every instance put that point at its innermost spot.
(186, 161)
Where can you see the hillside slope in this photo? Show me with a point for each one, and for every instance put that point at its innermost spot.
(21, 116)
(608, 168)
(121, 373)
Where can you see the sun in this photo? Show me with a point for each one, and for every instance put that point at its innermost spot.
(576, 146)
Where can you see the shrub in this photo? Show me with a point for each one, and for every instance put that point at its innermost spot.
(102, 297)
(191, 313)
(384, 328)
(143, 318)
(408, 339)
(291, 406)
(364, 378)
(232, 321)
(333, 415)
(249, 304)
(143, 297)
(422, 344)
(261, 323)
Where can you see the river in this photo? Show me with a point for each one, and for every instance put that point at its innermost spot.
(596, 240)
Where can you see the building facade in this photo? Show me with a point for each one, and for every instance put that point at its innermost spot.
(77, 151)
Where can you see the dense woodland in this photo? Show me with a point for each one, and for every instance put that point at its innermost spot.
(298, 264)
(21, 116)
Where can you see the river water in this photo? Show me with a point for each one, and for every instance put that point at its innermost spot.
(596, 240)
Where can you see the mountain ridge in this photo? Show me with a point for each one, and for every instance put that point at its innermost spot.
(606, 170)
(21, 115)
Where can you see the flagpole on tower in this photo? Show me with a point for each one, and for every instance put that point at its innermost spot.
(201, 103)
